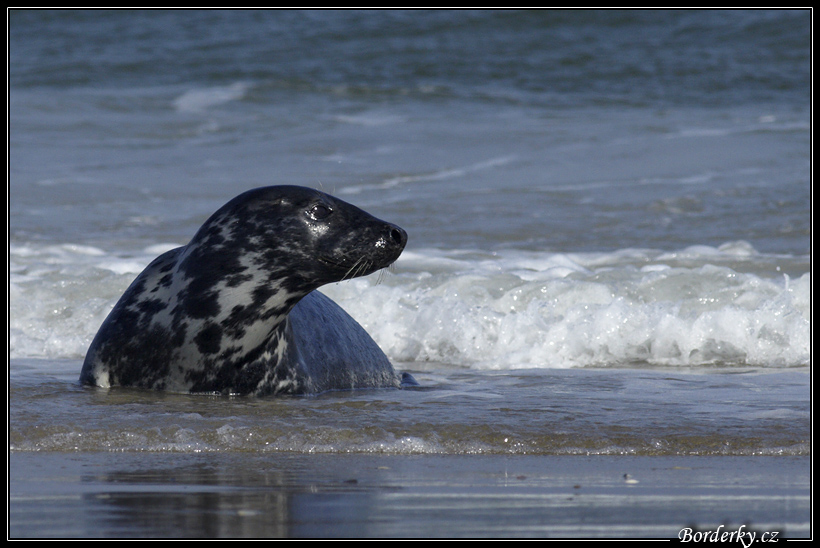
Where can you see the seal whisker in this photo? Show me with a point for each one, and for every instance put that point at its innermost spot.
(367, 267)
(349, 274)
(354, 271)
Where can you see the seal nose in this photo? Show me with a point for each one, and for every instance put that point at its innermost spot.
(397, 235)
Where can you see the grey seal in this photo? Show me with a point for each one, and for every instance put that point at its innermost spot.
(235, 311)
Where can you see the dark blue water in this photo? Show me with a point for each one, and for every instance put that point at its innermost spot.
(550, 58)
(643, 128)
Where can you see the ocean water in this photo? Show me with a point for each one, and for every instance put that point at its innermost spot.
(609, 220)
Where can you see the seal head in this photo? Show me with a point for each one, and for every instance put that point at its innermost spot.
(235, 311)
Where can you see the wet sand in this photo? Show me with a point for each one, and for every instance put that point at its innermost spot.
(277, 494)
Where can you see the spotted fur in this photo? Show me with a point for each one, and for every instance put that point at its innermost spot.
(235, 310)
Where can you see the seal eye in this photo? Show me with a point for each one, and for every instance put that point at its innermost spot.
(319, 212)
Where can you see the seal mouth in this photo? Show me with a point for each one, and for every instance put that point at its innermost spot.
(360, 267)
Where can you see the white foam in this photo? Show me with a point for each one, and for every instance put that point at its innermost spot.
(512, 312)
(503, 310)
(197, 100)
(439, 175)
(369, 119)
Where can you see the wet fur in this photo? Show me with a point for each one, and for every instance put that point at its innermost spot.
(235, 310)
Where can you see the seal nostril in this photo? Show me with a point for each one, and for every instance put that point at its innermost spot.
(398, 235)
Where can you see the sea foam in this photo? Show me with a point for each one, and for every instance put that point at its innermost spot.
(701, 306)
(543, 310)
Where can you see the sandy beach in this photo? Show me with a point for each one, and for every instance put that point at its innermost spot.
(281, 495)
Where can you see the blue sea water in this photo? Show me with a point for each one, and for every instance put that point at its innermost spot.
(609, 219)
